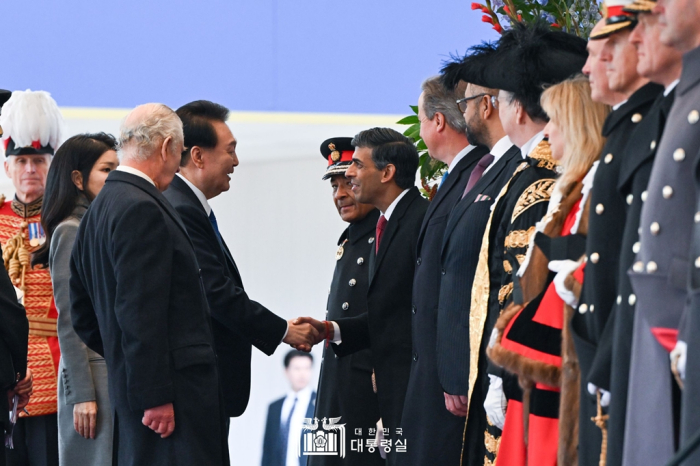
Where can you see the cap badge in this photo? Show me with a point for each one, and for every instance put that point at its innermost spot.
(335, 155)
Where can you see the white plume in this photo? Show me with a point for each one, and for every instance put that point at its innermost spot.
(32, 116)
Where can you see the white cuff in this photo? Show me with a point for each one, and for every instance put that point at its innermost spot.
(286, 331)
(336, 334)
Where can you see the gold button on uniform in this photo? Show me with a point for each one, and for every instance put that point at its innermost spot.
(697, 263)
(667, 192)
(619, 299)
(630, 198)
(651, 267)
(360, 261)
(608, 158)
(652, 146)
(583, 309)
(632, 299)
(638, 267)
(644, 196)
(636, 118)
(599, 209)
(592, 308)
(678, 155)
(352, 282)
(595, 257)
(697, 217)
(636, 247)
(693, 117)
(655, 228)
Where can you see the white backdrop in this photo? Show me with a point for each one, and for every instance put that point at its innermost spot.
(281, 226)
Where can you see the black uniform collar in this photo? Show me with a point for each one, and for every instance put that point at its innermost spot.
(358, 230)
(641, 97)
(691, 71)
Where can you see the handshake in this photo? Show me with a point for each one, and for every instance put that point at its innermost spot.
(305, 332)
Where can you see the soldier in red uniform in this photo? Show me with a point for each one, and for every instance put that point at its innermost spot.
(32, 130)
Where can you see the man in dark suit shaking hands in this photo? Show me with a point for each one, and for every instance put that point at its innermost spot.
(382, 173)
(137, 298)
(237, 321)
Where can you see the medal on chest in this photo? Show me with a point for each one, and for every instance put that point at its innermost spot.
(339, 253)
(36, 234)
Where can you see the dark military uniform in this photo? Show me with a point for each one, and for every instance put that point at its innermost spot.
(345, 385)
(635, 172)
(605, 231)
(683, 133)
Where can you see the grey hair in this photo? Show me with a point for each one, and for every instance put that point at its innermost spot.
(141, 135)
(439, 99)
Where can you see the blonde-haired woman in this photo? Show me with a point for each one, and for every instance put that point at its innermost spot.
(531, 340)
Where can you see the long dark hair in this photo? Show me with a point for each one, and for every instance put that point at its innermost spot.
(80, 153)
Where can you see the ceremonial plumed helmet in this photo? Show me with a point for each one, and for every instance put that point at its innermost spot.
(338, 153)
(618, 17)
(31, 123)
(530, 57)
(4, 97)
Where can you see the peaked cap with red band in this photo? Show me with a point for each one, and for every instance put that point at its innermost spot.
(32, 124)
(617, 18)
(338, 152)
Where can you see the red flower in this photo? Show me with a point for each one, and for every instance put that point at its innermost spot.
(506, 9)
(498, 28)
(476, 6)
(555, 25)
(520, 18)
(486, 10)
(486, 19)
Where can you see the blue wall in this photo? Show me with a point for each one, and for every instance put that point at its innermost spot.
(359, 56)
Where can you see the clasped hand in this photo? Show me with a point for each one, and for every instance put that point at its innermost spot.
(305, 332)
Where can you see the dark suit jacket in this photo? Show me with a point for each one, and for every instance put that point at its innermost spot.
(14, 335)
(424, 413)
(386, 326)
(237, 321)
(138, 299)
(272, 444)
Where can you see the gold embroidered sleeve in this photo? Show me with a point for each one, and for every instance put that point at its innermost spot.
(538, 192)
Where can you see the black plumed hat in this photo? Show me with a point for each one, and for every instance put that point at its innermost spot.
(531, 57)
(470, 68)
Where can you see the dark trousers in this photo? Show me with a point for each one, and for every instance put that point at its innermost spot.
(36, 442)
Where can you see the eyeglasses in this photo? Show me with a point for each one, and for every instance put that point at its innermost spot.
(462, 103)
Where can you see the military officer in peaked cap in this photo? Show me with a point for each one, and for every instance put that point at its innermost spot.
(345, 385)
(607, 217)
(662, 65)
(675, 172)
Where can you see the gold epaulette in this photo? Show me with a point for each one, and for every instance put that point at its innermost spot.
(543, 154)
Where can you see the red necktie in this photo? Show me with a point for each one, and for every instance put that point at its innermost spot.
(381, 224)
(477, 172)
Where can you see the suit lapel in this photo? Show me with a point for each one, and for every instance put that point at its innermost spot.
(466, 164)
(478, 188)
(393, 225)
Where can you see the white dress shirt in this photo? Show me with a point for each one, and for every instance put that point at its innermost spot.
(200, 195)
(336, 328)
(500, 148)
(134, 171)
(530, 145)
(460, 155)
(303, 398)
(671, 87)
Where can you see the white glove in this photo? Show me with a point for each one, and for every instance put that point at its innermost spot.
(604, 395)
(495, 403)
(564, 269)
(680, 351)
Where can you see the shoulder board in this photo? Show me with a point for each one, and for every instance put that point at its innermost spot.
(542, 155)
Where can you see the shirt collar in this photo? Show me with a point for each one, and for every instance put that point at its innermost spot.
(392, 206)
(501, 147)
(302, 395)
(134, 171)
(200, 195)
(530, 145)
(671, 87)
(618, 105)
(460, 155)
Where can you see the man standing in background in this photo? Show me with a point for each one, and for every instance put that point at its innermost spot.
(32, 128)
(285, 417)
